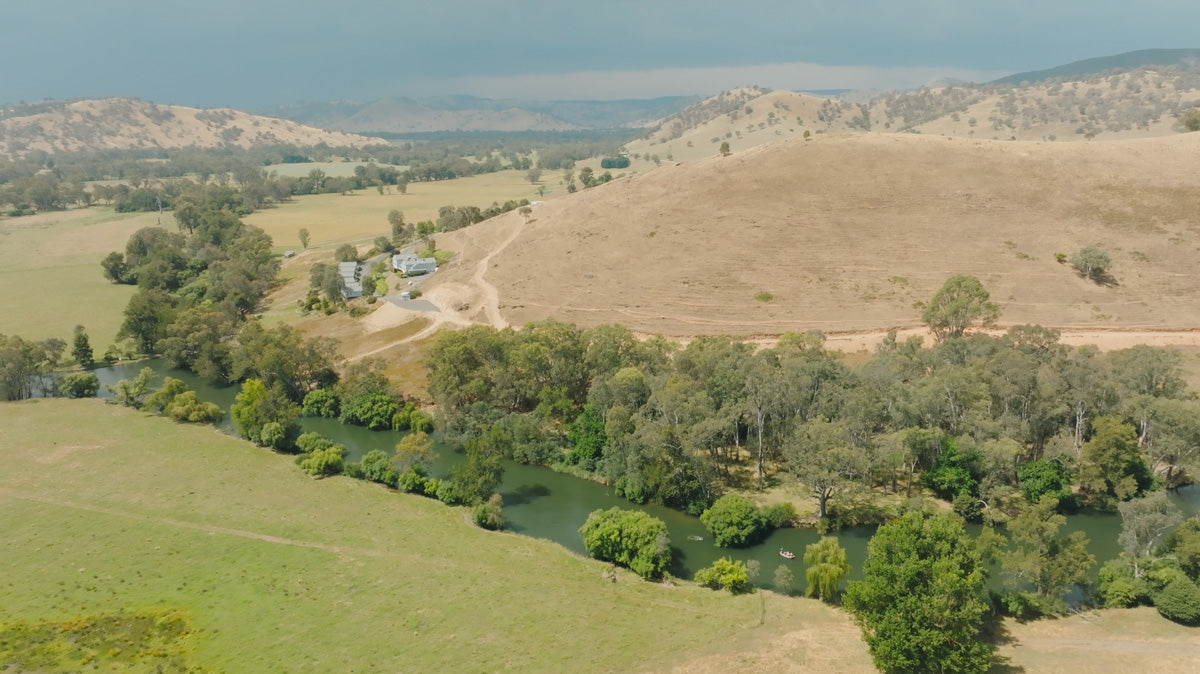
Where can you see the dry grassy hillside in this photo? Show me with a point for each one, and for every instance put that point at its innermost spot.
(845, 234)
(1137, 104)
(745, 118)
(122, 124)
(1141, 103)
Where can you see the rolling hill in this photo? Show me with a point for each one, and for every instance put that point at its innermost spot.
(1106, 64)
(1142, 102)
(845, 233)
(127, 124)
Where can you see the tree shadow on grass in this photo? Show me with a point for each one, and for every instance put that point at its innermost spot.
(995, 631)
(1101, 279)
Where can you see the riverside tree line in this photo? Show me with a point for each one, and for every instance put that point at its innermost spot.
(990, 424)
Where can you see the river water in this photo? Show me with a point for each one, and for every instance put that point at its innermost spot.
(546, 504)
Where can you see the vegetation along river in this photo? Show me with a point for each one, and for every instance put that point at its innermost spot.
(546, 504)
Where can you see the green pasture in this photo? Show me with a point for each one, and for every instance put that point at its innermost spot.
(50, 276)
(361, 216)
(117, 511)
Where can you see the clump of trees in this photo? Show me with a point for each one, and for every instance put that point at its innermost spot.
(172, 399)
(1158, 563)
(630, 538)
(989, 423)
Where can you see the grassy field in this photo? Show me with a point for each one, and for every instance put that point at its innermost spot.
(50, 279)
(278, 572)
(361, 216)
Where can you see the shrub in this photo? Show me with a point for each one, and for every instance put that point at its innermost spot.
(322, 402)
(412, 480)
(324, 462)
(725, 574)
(273, 435)
(490, 515)
(79, 385)
(311, 442)
(432, 487)
(445, 492)
(187, 407)
(373, 409)
(1117, 588)
(376, 466)
(1180, 602)
(420, 422)
(780, 515)
(734, 522)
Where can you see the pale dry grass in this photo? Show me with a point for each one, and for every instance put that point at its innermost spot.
(848, 233)
(1103, 642)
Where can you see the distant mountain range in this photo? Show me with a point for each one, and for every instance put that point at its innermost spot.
(1188, 58)
(129, 124)
(1140, 93)
(468, 113)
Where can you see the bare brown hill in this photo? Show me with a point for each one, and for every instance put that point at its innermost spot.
(846, 234)
(126, 124)
(1140, 103)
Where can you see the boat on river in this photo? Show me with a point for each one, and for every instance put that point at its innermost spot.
(786, 554)
(695, 538)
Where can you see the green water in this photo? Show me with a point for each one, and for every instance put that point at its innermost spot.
(542, 503)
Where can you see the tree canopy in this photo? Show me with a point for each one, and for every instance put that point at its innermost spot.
(960, 303)
(630, 538)
(921, 601)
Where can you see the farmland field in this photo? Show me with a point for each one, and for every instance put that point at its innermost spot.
(51, 280)
(362, 215)
(278, 572)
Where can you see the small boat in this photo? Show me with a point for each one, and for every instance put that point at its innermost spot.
(786, 554)
(695, 538)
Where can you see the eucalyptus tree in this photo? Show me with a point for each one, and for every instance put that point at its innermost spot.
(1144, 523)
(820, 457)
(763, 389)
(1042, 562)
(961, 302)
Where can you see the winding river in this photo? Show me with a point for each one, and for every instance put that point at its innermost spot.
(546, 504)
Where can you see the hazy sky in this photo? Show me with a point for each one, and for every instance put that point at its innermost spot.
(250, 53)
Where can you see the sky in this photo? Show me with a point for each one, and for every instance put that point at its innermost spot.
(260, 53)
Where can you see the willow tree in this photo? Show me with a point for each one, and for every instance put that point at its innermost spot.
(827, 567)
